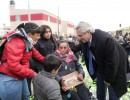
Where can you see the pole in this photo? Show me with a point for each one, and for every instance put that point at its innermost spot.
(28, 11)
(58, 20)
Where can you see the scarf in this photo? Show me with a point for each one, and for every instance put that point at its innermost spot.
(66, 57)
(21, 33)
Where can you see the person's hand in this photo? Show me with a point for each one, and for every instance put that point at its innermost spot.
(63, 85)
(107, 84)
(80, 77)
(63, 82)
(64, 88)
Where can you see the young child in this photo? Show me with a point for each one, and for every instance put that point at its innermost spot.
(69, 65)
(44, 83)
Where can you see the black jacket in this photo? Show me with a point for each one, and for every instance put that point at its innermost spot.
(111, 57)
(45, 47)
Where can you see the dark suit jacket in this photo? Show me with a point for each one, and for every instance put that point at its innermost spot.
(110, 57)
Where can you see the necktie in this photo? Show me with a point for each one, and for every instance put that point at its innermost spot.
(91, 70)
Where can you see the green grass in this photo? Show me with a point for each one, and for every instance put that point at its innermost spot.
(31, 98)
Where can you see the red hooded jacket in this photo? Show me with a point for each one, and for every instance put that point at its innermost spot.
(17, 64)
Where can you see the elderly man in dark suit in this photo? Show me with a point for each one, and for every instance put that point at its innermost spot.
(105, 59)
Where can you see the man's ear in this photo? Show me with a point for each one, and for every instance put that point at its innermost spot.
(29, 34)
(53, 71)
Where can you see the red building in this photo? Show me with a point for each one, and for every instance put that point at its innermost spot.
(40, 17)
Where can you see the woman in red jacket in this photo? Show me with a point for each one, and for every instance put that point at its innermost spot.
(13, 73)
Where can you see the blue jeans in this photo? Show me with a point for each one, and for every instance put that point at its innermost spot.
(13, 89)
(102, 88)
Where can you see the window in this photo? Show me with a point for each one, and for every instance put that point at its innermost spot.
(49, 18)
(17, 18)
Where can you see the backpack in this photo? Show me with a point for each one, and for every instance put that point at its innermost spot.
(2, 44)
(21, 33)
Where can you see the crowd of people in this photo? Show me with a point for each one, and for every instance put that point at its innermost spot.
(33, 53)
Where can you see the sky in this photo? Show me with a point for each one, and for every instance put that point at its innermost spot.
(103, 14)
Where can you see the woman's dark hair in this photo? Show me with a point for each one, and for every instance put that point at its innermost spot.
(43, 29)
(29, 27)
(63, 41)
(51, 62)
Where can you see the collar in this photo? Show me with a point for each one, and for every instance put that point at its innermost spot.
(93, 40)
(90, 40)
(48, 74)
(31, 40)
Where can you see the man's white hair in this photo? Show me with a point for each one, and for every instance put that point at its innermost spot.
(85, 27)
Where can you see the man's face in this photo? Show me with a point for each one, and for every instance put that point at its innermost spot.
(35, 37)
(84, 37)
